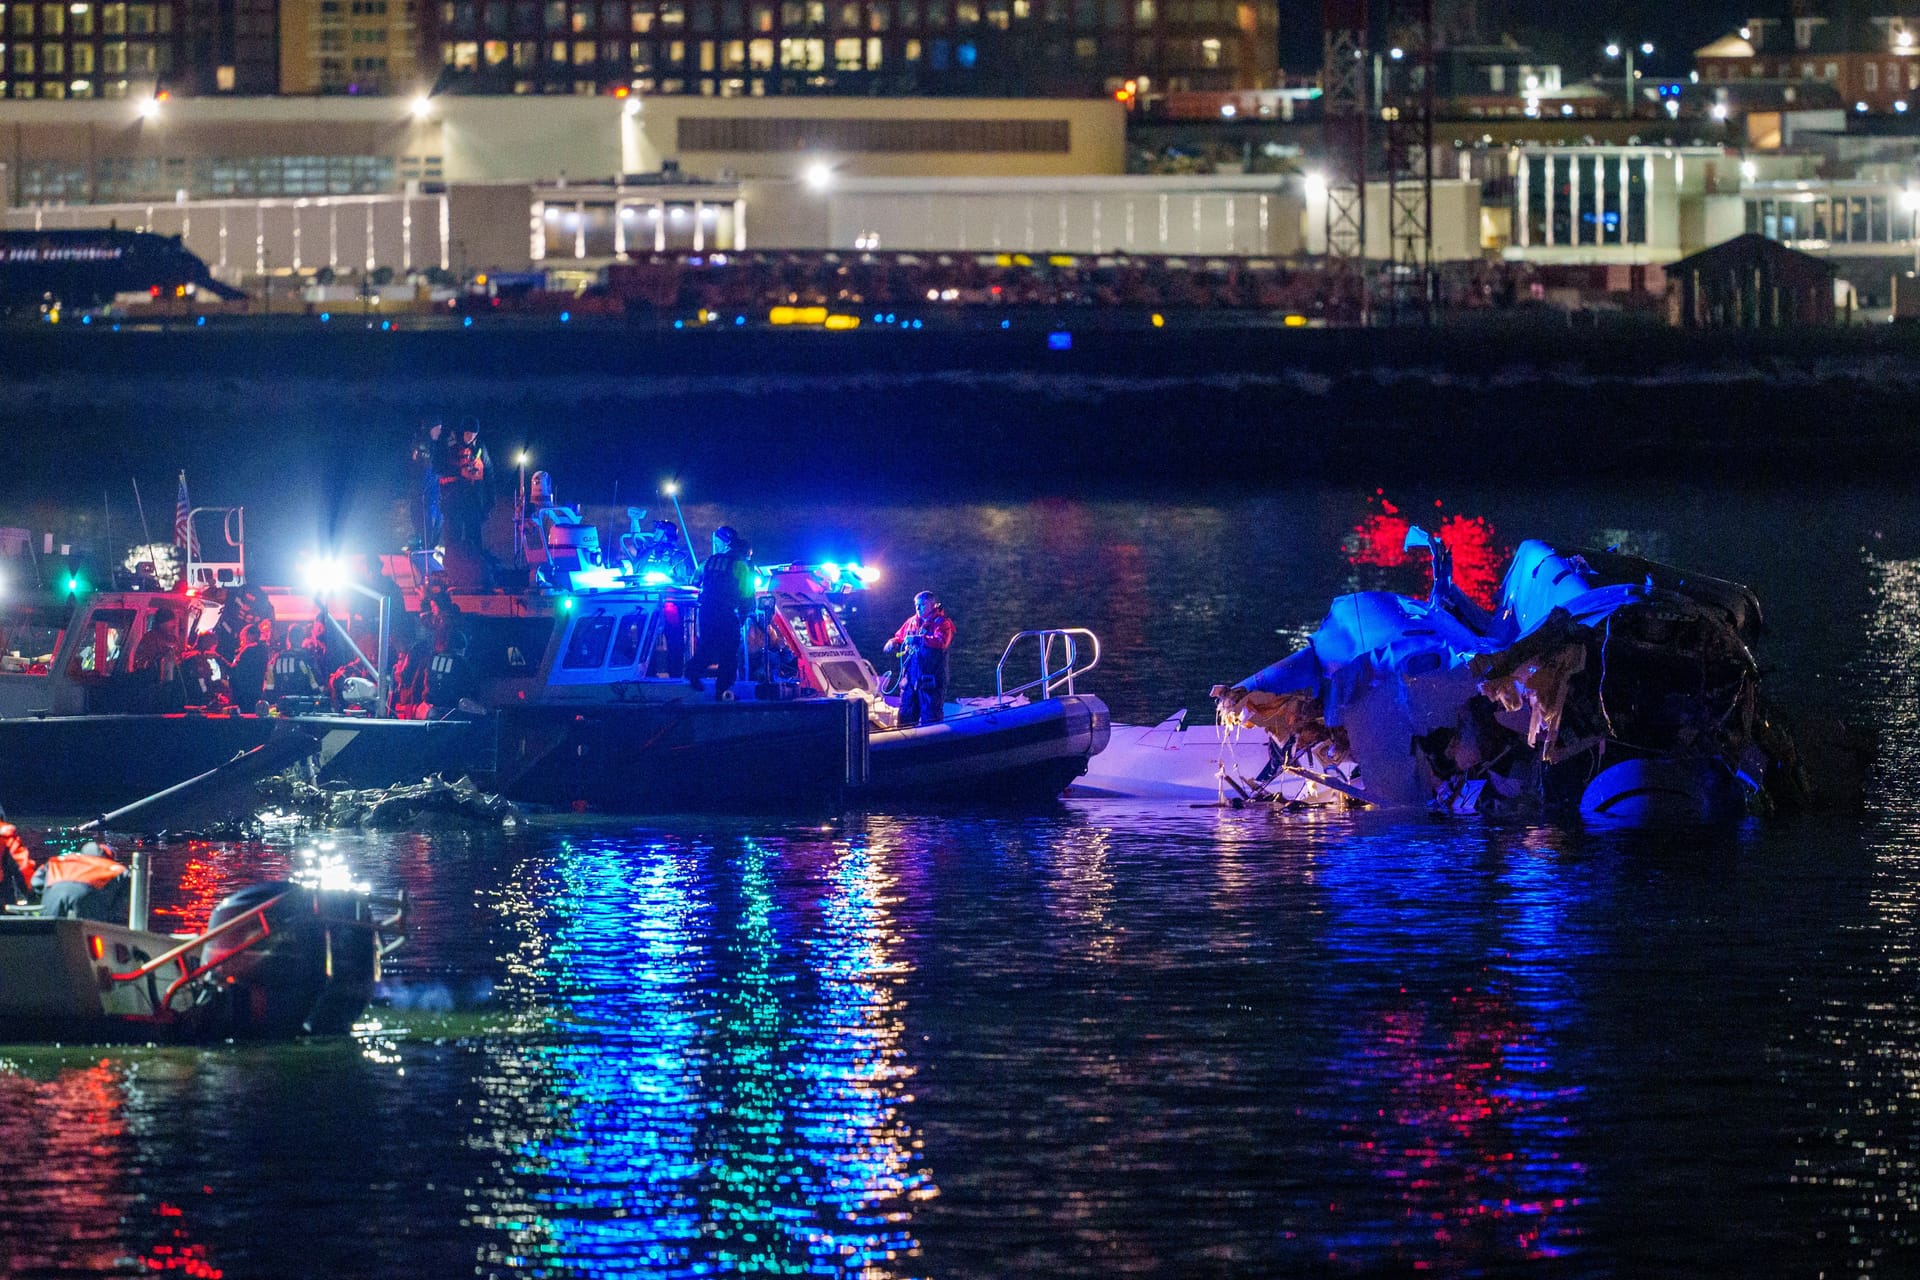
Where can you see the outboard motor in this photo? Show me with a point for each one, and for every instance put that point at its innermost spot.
(311, 968)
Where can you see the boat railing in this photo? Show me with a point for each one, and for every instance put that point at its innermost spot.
(394, 922)
(1066, 642)
(229, 572)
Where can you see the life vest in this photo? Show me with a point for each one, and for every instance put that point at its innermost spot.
(14, 848)
(91, 869)
(726, 586)
(449, 679)
(293, 675)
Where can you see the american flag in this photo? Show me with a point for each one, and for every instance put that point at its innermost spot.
(183, 534)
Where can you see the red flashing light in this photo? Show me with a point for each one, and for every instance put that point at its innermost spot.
(161, 95)
(96, 946)
(621, 91)
(154, 291)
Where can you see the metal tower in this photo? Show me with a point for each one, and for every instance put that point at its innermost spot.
(1408, 111)
(1344, 109)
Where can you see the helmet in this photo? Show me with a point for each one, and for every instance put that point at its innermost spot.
(725, 533)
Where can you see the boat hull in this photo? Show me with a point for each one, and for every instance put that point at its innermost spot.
(1030, 751)
(683, 756)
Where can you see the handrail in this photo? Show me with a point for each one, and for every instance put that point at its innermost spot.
(1050, 677)
(167, 957)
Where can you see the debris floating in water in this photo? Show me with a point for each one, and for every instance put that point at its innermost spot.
(421, 806)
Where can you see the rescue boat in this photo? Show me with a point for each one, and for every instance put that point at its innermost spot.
(274, 960)
(610, 727)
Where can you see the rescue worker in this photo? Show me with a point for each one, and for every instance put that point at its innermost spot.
(88, 885)
(450, 677)
(923, 641)
(665, 552)
(247, 674)
(294, 675)
(410, 675)
(726, 594)
(16, 864)
(431, 454)
(319, 647)
(156, 665)
(200, 674)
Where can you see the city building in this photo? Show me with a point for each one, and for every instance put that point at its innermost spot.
(1868, 57)
(220, 148)
(88, 50)
(754, 48)
(351, 47)
(231, 46)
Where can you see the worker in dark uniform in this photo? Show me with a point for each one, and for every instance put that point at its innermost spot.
(726, 596)
(923, 641)
(294, 675)
(247, 674)
(156, 664)
(450, 677)
(200, 673)
(432, 455)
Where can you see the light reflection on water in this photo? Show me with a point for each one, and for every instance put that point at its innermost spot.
(1094, 1039)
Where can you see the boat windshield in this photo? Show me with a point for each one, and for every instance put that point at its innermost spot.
(27, 645)
(587, 646)
(626, 644)
(816, 626)
(104, 643)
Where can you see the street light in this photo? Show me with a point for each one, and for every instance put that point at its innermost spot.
(1625, 53)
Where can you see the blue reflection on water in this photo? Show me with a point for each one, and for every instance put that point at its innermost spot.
(1445, 1082)
(715, 1085)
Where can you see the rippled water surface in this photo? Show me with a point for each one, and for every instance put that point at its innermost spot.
(1092, 1039)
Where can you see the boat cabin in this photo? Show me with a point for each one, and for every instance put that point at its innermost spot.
(632, 641)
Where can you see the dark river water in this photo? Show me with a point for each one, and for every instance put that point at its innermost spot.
(1098, 1038)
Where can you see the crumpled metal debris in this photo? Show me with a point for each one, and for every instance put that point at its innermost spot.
(433, 804)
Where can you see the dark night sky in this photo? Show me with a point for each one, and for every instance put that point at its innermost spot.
(1573, 34)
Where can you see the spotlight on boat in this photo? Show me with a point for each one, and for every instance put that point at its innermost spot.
(324, 575)
(671, 488)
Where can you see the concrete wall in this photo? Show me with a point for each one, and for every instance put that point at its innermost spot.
(816, 131)
(1229, 216)
(241, 239)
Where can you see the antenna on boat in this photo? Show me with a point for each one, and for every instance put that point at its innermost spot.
(672, 489)
(146, 534)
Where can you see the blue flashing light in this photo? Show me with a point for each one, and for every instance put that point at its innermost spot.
(830, 571)
(889, 317)
(879, 317)
(565, 316)
(466, 322)
(1061, 341)
(86, 319)
(1006, 324)
(656, 578)
(761, 582)
(200, 322)
(116, 328)
(966, 55)
(75, 584)
(679, 324)
(739, 319)
(385, 325)
(566, 604)
(325, 316)
(916, 324)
